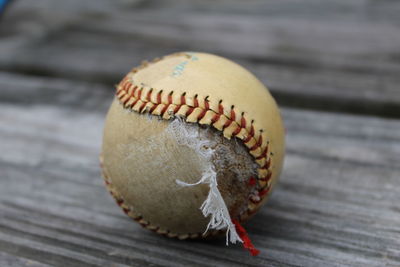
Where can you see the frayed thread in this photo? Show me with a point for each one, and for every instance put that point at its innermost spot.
(215, 206)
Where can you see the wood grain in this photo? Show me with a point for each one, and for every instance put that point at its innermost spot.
(339, 56)
(336, 203)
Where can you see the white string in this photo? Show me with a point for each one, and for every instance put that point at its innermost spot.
(214, 205)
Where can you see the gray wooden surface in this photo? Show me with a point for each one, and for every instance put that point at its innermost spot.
(333, 66)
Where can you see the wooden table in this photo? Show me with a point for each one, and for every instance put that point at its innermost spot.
(333, 66)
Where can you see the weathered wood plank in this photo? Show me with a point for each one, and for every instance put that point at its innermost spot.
(13, 261)
(336, 203)
(340, 55)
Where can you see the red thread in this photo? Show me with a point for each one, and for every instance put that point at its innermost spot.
(237, 131)
(254, 147)
(189, 111)
(220, 109)
(252, 181)
(257, 145)
(215, 118)
(134, 103)
(133, 91)
(266, 178)
(263, 192)
(170, 98)
(202, 114)
(227, 123)
(149, 94)
(164, 109)
(159, 97)
(152, 109)
(251, 134)
(196, 102)
(126, 86)
(122, 83)
(251, 130)
(126, 211)
(259, 140)
(267, 164)
(126, 100)
(233, 115)
(247, 244)
(142, 107)
(206, 105)
(264, 154)
(243, 122)
(176, 109)
(140, 93)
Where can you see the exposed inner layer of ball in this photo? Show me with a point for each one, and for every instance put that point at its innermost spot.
(145, 168)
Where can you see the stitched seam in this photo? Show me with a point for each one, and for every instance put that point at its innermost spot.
(156, 102)
(128, 210)
(132, 97)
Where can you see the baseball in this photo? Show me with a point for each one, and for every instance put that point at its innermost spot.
(193, 145)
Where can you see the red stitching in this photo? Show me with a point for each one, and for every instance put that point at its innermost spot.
(195, 102)
(126, 84)
(243, 122)
(183, 99)
(202, 114)
(267, 164)
(159, 97)
(132, 94)
(164, 109)
(233, 115)
(139, 219)
(152, 108)
(252, 181)
(258, 144)
(254, 147)
(264, 154)
(251, 134)
(266, 178)
(142, 107)
(189, 111)
(134, 103)
(204, 111)
(263, 192)
(206, 104)
(215, 118)
(176, 109)
(227, 123)
(170, 97)
(237, 131)
(220, 108)
(149, 94)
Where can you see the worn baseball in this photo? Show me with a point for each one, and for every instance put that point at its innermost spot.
(193, 145)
